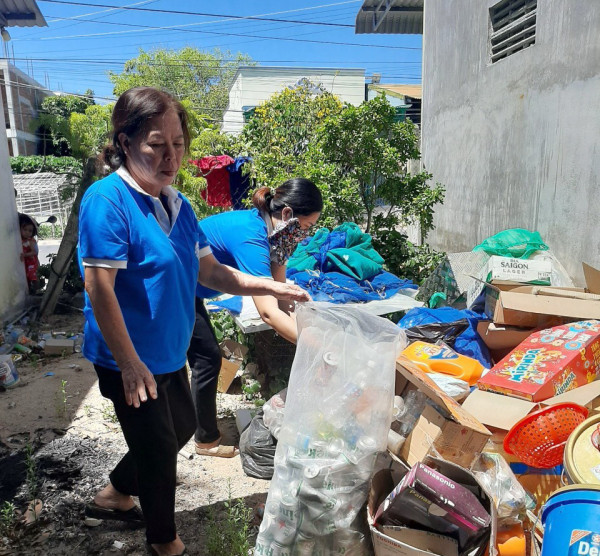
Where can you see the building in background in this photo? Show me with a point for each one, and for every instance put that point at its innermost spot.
(21, 96)
(405, 98)
(511, 94)
(253, 85)
(13, 285)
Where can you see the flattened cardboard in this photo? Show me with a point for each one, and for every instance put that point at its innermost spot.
(228, 371)
(234, 354)
(502, 412)
(459, 438)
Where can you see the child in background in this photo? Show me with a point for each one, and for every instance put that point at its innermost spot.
(30, 250)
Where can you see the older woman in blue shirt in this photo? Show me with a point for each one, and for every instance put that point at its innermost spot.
(142, 253)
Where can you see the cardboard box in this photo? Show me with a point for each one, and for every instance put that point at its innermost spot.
(426, 498)
(383, 483)
(537, 306)
(548, 363)
(55, 346)
(501, 339)
(457, 437)
(233, 357)
(523, 271)
(422, 540)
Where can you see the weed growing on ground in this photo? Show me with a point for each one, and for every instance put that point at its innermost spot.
(251, 389)
(108, 413)
(31, 477)
(61, 400)
(229, 534)
(7, 519)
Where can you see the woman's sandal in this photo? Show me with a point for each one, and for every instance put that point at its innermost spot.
(133, 515)
(217, 451)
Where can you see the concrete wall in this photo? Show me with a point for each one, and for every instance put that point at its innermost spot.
(254, 85)
(13, 284)
(516, 143)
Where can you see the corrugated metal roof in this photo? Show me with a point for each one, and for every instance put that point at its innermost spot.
(21, 13)
(413, 91)
(403, 17)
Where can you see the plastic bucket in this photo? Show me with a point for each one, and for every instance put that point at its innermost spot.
(8, 373)
(582, 457)
(571, 519)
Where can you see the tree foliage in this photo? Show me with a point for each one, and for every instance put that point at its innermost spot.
(52, 122)
(279, 134)
(363, 155)
(89, 132)
(201, 77)
(360, 157)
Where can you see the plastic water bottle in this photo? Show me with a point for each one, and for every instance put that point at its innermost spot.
(413, 407)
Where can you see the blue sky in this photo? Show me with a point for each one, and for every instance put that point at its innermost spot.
(86, 39)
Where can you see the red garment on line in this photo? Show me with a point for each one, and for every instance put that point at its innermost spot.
(214, 170)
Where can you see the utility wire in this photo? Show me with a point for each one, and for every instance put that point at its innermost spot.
(202, 14)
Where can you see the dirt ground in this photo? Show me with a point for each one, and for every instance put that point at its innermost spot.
(58, 414)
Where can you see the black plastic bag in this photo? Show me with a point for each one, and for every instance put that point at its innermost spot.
(257, 449)
(433, 332)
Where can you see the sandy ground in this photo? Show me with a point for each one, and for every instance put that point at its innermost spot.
(58, 411)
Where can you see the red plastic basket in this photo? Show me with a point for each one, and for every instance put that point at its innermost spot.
(539, 439)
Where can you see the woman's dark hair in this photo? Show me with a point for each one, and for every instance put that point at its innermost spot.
(299, 194)
(131, 114)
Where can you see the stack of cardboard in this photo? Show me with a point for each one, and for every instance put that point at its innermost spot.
(457, 434)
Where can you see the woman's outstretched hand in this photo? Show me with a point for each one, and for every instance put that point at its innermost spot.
(289, 292)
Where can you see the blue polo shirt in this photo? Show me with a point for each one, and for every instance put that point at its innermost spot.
(239, 239)
(157, 270)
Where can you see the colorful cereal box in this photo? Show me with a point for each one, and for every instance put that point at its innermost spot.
(548, 363)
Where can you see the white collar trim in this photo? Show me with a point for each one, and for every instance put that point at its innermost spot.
(173, 199)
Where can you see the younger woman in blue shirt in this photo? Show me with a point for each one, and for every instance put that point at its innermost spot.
(258, 242)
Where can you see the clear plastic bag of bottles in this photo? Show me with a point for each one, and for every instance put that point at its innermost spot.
(337, 417)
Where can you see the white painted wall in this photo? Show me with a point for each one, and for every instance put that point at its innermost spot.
(13, 284)
(254, 85)
(516, 143)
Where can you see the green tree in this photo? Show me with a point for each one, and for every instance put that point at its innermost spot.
(360, 158)
(363, 155)
(89, 132)
(201, 77)
(278, 135)
(52, 122)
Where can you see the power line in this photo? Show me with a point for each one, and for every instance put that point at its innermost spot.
(202, 14)
(184, 28)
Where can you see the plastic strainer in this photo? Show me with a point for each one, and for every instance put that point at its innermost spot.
(539, 438)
